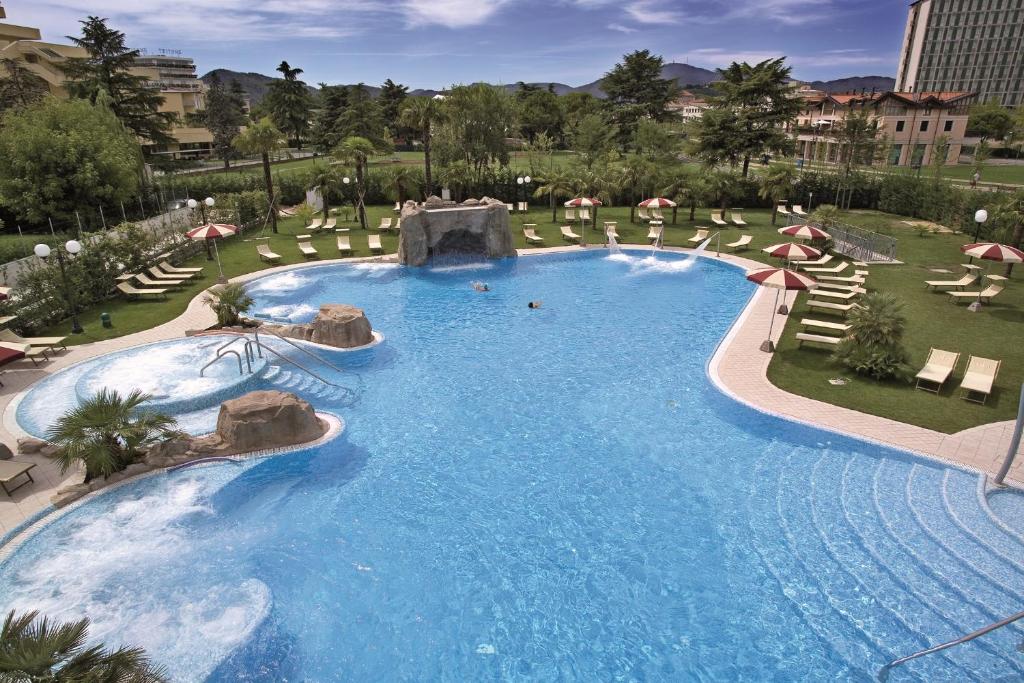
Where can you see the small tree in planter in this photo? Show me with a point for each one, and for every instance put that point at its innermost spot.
(874, 345)
(229, 302)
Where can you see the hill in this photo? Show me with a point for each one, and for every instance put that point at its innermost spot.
(840, 85)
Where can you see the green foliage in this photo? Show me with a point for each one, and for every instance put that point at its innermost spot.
(33, 649)
(874, 343)
(593, 138)
(857, 137)
(540, 113)
(636, 92)
(246, 208)
(229, 302)
(363, 117)
(20, 87)
(56, 156)
(223, 117)
(107, 432)
(777, 185)
(479, 119)
(289, 103)
(333, 101)
(990, 120)
(104, 76)
(392, 96)
(420, 115)
(576, 106)
(262, 138)
(825, 214)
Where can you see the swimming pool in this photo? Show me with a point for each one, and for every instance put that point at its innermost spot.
(539, 494)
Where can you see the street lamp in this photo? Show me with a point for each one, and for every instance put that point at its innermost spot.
(73, 247)
(980, 216)
(346, 180)
(524, 181)
(208, 202)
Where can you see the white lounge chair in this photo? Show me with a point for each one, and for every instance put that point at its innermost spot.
(804, 265)
(373, 241)
(783, 209)
(841, 286)
(817, 339)
(510, 208)
(937, 368)
(612, 230)
(523, 207)
(570, 214)
(799, 210)
(818, 292)
(344, 245)
(307, 249)
(530, 233)
(266, 254)
(149, 282)
(968, 279)
(51, 343)
(385, 224)
(641, 212)
(168, 268)
(31, 352)
(568, 235)
(584, 214)
(811, 323)
(737, 218)
(398, 207)
(656, 215)
(331, 224)
(315, 225)
(986, 294)
(978, 378)
(700, 236)
(159, 275)
(858, 276)
(742, 243)
(134, 292)
(830, 307)
(716, 218)
(829, 271)
(654, 232)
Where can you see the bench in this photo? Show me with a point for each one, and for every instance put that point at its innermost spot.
(817, 338)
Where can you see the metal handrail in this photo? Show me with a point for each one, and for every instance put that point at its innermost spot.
(222, 355)
(883, 673)
(286, 359)
(291, 343)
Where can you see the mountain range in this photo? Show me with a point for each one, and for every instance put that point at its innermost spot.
(255, 85)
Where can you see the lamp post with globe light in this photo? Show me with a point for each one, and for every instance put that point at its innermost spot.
(523, 181)
(73, 247)
(208, 202)
(346, 180)
(980, 216)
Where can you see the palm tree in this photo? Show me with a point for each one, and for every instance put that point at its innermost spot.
(776, 185)
(632, 176)
(555, 183)
(721, 185)
(457, 176)
(35, 649)
(328, 179)
(355, 151)
(420, 114)
(229, 302)
(107, 431)
(1011, 213)
(874, 342)
(686, 188)
(262, 138)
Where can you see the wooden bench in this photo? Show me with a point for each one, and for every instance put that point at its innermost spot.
(817, 338)
(829, 306)
(809, 323)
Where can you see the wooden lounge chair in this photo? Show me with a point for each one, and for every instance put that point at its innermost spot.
(737, 218)
(741, 243)
(147, 282)
(315, 225)
(373, 241)
(266, 254)
(834, 269)
(385, 224)
(51, 343)
(523, 207)
(344, 245)
(11, 470)
(700, 236)
(830, 307)
(818, 292)
(612, 230)
(641, 212)
(937, 369)
(812, 324)
(841, 286)
(33, 353)
(799, 210)
(783, 209)
(656, 215)
(986, 294)
(159, 275)
(570, 214)
(510, 208)
(716, 218)
(133, 292)
(979, 378)
(858, 276)
(654, 232)
(584, 214)
(804, 265)
(530, 233)
(568, 235)
(168, 268)
(331, 224)
(817, 339)
(308, 250)
(398, 207)
(968, 279)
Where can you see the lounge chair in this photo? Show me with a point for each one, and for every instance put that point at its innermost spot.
(817, 338)
(810, 323)
(385, 224)
(741, 243)
(510, 208)
(654, 232)
(783, 209)
(398, 224)
(829, 271)
(641, 212)
(828, 294)
(568, 235)
(656, 215)
(308, 250)
(842, 287)
(398, 207)
(968, 279)
(266, 254)
(168, 268)
(331, 224)
(584, 214)
(858, 276)
(523, 207)
(979, 378)
(986, 294)
(160, 276)
(702, 234)
(133, 292)
(612, 230)
(937, 369)
(799, 210)
(286, 212)
(570, 215)
(716, 218)
(737, 218)
(11, 470)
(530, 232)
(344, 245)
(51, 343)
(147, 282)
(829, 307)
(31, 352)
(373, 241)
(804, 265)
(315, 225)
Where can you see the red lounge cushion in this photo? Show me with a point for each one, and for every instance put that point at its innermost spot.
(8, 355)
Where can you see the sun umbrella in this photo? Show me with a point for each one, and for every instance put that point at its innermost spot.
(656, 203)
(804, 232)
(580, 202)
(780, 280)
(213, 232)
(792, 252)
(990, 251)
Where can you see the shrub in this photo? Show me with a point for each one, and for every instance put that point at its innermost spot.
(874, 346)
(229, 302)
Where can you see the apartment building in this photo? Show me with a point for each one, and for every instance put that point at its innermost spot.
(173, 75)
(965, 46)
(909, 123)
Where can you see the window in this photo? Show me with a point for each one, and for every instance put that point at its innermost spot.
(924, 126)
(894, 155)
(899, 126)
(948, 127)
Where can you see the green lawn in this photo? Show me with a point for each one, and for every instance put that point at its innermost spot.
(932, 319)
(991, 173)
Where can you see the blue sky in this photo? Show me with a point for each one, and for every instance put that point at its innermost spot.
(434, 43)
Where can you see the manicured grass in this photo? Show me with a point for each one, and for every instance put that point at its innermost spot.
(1011, 174)
(931, 319)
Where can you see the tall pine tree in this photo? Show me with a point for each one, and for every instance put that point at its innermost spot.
(223, 117)
(392, 95)
(289, 103)
(636, 91)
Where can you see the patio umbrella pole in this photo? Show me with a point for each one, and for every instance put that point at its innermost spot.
(221, 280)
(1014, 442)
(769, 346)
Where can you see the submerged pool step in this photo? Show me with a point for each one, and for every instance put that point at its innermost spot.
(964, 508)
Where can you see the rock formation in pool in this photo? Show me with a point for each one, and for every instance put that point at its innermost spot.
(436, 227)
(338, 325)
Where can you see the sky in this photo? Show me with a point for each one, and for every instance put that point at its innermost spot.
(437, 43)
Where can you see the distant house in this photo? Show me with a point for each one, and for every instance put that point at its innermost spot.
(687, 106)
(909, 122)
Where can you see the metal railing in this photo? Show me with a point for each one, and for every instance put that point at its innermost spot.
(223, 351)
(883, 673)
(860, 244)
(309, 353)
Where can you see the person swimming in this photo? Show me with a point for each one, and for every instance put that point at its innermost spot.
(534, 304)
(481, 287)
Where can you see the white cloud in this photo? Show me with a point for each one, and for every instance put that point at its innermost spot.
(451, 13)
(719, 57)
(622, 28)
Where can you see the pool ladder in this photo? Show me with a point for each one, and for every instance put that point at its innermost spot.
(223, 351)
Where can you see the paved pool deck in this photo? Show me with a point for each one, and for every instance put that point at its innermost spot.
(738, 368)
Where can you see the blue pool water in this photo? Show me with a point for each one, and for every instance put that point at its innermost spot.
(551, 494)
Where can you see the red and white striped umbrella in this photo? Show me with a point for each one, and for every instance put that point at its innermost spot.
(804, 232)
(780, 278)
(792, 252)
(583, 201)
(656, 203)
(994, 252)
(211, 231)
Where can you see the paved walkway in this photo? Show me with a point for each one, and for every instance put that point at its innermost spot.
(738, 368)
